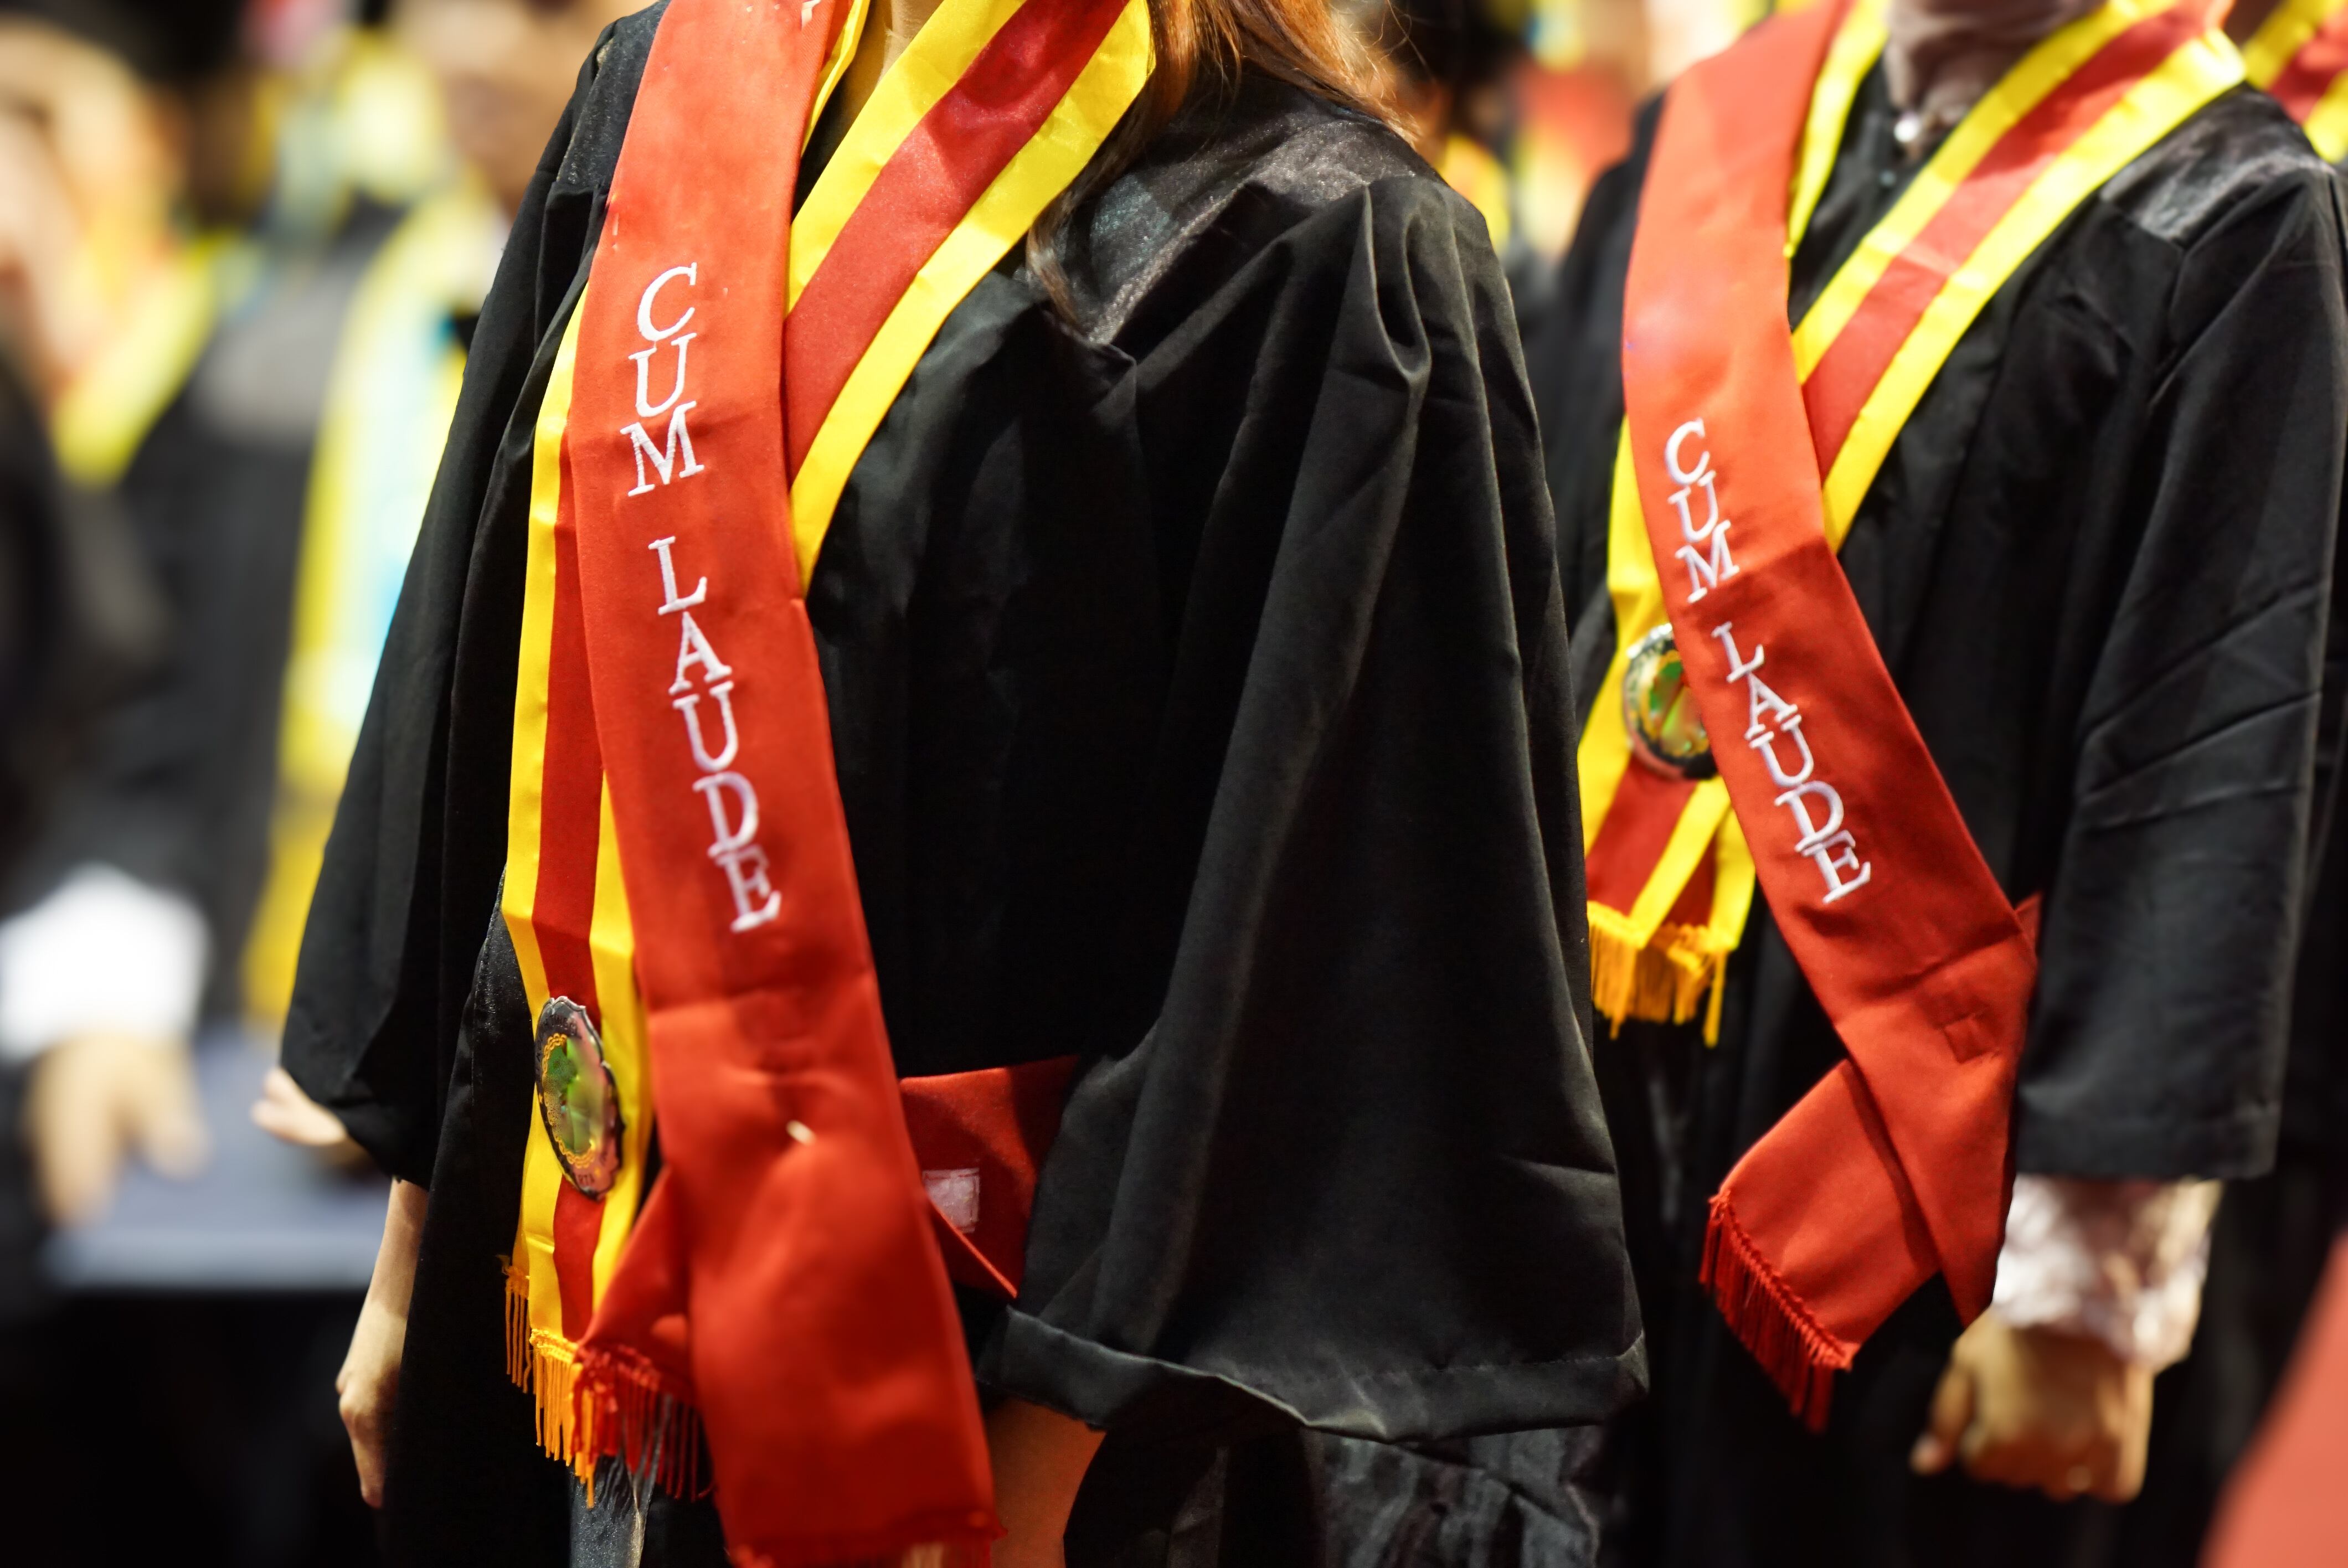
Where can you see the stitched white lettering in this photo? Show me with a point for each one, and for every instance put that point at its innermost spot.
(1814, 805)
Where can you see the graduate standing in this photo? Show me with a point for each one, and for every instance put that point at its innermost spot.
(982, 705)
(1976, 624)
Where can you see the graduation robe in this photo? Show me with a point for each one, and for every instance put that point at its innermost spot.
(2098, 562)
(1197, 674)
(2268, 1248)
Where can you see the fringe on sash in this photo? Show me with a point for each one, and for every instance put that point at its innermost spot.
(1667, 981)
(1768, 1319)
(547, 1366)
(612, 1403)
(600, 1404)
(936, 1554)
(629, 1413)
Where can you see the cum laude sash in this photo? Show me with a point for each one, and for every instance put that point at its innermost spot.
(679, 883)
(2300, 56)
(1746, 452)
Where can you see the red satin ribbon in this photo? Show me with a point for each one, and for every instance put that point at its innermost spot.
(1895, 1166)
(782, 1277)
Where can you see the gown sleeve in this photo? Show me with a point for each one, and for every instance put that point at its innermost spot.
(2174, 911)
(1354, 1174)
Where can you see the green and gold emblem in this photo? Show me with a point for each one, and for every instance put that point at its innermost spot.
(1658, 710)
(577, 1100)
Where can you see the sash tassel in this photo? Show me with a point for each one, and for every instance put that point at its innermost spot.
(1770, 1319)
(628, 1410)
(1667, 980)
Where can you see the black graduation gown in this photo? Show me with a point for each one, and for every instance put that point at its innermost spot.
(2097, 561)
(1196, 667)
(2268, 1248)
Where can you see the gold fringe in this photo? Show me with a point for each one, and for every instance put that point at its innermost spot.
(547, 1364)
(610, 1403)
(517, 1325)
(1667, 981)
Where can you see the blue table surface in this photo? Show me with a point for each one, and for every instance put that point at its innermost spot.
(261, 1217)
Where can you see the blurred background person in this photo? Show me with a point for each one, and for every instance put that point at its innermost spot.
(503, 71)
(239, 263)
(1450, 62)
(210, 414)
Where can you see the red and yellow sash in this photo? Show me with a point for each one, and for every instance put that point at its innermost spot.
(1746, 452)
(677, 862)
(2300, 55)
(1671, 877)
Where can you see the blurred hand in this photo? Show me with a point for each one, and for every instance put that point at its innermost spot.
(97, 1098)
(2040, 1408)
(290, 1116)
(368, 1383)
(1040, 1458)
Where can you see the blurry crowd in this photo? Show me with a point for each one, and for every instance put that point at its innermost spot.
(242, 249)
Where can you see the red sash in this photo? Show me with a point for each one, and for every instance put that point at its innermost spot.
(1895, 1166)
(782, 1276)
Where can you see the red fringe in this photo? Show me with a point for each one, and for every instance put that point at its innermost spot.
(1769, 1320)
(628, 1411)
(619, 1405)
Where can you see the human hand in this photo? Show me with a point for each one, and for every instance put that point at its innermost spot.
(2031, 1406)
(96, 1100)
(1040, 1459)
(290, 1116)
(367, 1386)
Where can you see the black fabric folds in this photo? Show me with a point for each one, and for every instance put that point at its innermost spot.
(2099, 563)
(1197, 672)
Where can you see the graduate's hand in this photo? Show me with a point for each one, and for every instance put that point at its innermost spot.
(290, 1116)
(368, 1383)
(94, 1102)
(2040, 1408)
(1040, 1459)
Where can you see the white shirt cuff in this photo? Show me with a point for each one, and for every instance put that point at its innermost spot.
(103, 953)
(2122, 1261)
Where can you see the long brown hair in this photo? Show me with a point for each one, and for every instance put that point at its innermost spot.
(1203, 46)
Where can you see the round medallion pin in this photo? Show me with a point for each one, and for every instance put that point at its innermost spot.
(577, 1100)
(1658, 710)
